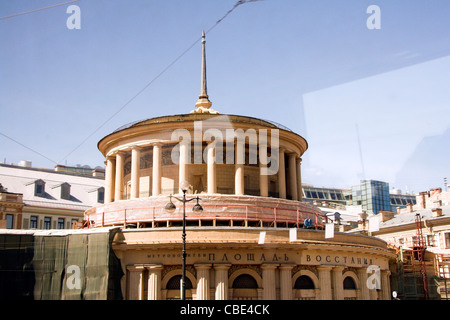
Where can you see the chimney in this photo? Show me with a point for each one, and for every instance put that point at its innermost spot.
(437, 212)
(422, 200)
(435, 191)
(409, 206)
(386, 215)
(437, 204)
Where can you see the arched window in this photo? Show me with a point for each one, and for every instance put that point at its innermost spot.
(245, 281)
(304, 282)
(349, 284)
(174, 283)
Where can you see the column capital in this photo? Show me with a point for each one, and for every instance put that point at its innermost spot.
(362, 270)
(269, 266)
(287, 266)
(135, 147)
(386, 272)
(222, 266)
(203, 266)
(110, 157)
(338, 268)
(136, 267)
(154, 266)
(324, 268)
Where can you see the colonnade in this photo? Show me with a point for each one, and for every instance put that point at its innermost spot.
(114, 174)
(276, 282)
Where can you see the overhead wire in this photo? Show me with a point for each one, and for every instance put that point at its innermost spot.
(36, 10)
(19, 143)
(237, 4)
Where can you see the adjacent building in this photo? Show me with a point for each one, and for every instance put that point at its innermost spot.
(38, 198)
(421, 235)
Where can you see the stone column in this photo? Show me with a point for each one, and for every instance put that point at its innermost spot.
(154, 282)
(281, 175)
(221, 276)
(239, 169)
(385, 285)
(109, 179)
(135, 168)
(211, 168)
(268, 281)
(325, 282)
(156, 170)
(293, 175)
(364, 290)
(263, 179)
(182, 176)
(135, 282)
(338, 283)
(286, 282)
(120, 157)
(299, 179)
(203, 281)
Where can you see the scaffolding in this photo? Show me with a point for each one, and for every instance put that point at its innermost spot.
(414, 277)
(419, 247)
(442, 270)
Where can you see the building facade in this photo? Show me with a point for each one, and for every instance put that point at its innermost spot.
(254, 239)
(48, 198)
(421, 235)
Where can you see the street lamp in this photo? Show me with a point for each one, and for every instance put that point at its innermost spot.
(170, 207)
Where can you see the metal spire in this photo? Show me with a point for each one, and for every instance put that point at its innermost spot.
(203, 99)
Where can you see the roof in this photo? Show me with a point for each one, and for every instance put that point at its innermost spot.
(21, 180)
(409, 217)
(203, 116)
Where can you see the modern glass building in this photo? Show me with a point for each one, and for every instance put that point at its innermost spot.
(372, 195)
(332, 195)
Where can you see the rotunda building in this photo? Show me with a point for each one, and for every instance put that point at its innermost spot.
(254, 238)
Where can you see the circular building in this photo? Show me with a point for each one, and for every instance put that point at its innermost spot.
(254, 237)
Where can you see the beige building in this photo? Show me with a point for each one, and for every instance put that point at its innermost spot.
(11, 205)
(423, 227)
(255, 238)
(38, 198)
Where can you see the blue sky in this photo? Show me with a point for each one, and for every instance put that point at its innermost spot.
(313, 66)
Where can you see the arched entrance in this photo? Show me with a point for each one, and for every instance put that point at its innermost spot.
(305, 284)
(173, 288)
(350, 286)
(245, 287)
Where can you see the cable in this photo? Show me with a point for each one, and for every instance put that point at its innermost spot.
(237, 4)
(35, 10)
(27, 147)
(240, 2)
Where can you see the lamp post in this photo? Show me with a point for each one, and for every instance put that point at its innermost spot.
(170, 207)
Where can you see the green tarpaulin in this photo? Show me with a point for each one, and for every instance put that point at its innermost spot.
(63, 265)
